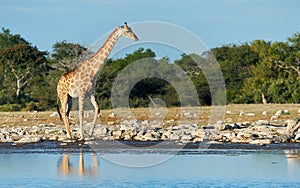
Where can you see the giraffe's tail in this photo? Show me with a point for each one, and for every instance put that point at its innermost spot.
(58, 110)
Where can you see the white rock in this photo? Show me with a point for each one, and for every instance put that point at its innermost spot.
(260, 142)
(6, 139)
(250, 114)
(127, 137)
(28, 140)
(235, 140)
(112, 115)
(106, 138)
(186, 137)
(292, 128)
(281, 131)
(193, 125)
(198, 139)
(264, 113)
(170, 121)
(188, 114)
(145, 122)
(175, 128)
(138, 137)
(274, 117)
(229, 120)
(219, 122)
(174, 137)
(157, 114)
(228, 112)
(154, 126)
(242, 113)
(110, 123)
(90, 143)
(53, 138)
(117, 134)
(101, 131)
(166, 134)
(278, 113)
(61, 138)
(262, 122)
(297, 137)
(54, 114)
(243, 135)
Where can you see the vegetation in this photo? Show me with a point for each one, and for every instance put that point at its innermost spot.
(29, 76)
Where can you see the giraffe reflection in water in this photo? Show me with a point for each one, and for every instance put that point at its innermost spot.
(66, 167)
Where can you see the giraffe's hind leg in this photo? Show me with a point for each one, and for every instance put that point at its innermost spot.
(64, 102)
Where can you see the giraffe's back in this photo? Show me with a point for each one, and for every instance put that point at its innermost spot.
(75, 83)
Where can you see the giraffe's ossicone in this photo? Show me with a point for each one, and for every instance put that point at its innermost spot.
(80, 82)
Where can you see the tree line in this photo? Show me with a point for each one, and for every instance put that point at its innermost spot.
(28, 76)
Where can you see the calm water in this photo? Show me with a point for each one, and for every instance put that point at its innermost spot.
(190, 168)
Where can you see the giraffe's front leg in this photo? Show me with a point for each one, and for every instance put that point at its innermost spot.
(97, 113)
(67, 124)
(81, 105)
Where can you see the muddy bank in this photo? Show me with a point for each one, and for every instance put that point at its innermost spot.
(138, 147)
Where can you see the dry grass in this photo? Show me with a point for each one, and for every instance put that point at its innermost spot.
(31, 118)
(27, 119)
(257, 109)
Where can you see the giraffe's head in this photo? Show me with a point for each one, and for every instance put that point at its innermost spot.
(126, 31)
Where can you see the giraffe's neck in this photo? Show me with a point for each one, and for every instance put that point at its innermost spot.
(101, 55)
(97, 60)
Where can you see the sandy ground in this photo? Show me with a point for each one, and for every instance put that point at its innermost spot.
(251, 113)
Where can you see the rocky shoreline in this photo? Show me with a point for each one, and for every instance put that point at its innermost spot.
(259, 132)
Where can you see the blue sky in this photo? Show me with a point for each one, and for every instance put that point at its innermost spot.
(216, 22)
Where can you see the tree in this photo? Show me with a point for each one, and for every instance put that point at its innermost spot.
(194, 72)
(276, 74)
(110, 71)
(7, 39)
(66, 55)
(235, 62)
(20, 65)
(286, 55)
(24, 62)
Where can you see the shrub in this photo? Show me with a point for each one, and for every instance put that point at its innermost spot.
(10, 107)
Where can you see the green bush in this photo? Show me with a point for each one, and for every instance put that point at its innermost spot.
(105, 103)
(10, 107)
(31, 106)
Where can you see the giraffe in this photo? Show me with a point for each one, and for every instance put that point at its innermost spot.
(80, 82)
